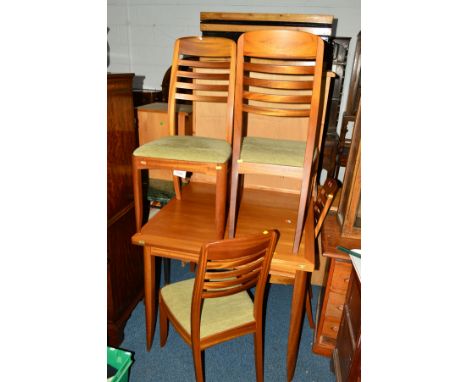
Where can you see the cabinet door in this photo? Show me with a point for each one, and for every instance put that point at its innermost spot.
(121, 141)
(124, 260)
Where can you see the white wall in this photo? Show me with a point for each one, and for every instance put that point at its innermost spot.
(142, 32)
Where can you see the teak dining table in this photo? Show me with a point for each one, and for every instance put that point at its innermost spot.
(179, 229)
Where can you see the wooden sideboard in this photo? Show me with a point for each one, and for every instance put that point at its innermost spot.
(124, 260)
(347, 353)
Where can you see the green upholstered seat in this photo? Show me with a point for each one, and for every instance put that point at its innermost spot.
(218, 314)
(189, 148)
(273, 151)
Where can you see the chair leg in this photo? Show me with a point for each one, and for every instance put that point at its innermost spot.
(167, 270)
(176, 181)
(301, 212)
(233, 200)
(198, 363)
(220, 209)
(309, 307)
(193, 266)
(137, 194)
(163, 323)
(258, 341)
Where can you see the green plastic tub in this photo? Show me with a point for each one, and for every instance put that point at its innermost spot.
(120, 360)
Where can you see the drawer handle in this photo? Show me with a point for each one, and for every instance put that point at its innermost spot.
(335, 328)
(346, 280)
(340, 307)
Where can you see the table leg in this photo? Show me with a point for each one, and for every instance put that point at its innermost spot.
(150, 295)
(137, 193)
(295, 322)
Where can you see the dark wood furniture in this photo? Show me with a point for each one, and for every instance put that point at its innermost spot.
(227, 269)
(340, 48)
(124, 260)
(349, 209)
(350, 113)
(347, 353)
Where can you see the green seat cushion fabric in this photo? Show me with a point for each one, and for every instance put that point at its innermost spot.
(189, 148)
(218, 314)
(273, 151)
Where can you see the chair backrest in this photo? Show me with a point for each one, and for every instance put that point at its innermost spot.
(280, 73)
(231, 266)
(203, 70)
(323, 203)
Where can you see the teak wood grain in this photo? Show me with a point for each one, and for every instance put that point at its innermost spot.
(293, 60)
(225, 268)
(183, 226)
(195, 61)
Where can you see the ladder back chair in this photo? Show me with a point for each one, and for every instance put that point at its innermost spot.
(321, 206)
(279, 74)
(215, 306)
(203, 70)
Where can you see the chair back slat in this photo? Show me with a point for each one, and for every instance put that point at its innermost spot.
(205, 64)
(275, 112)
(300, 67)
(250, 267)
(277, 98)
(200, 98)
(227, 283)
(203, 76)
(277, 73)
(198, 86)
(278, 84)
(231, 266)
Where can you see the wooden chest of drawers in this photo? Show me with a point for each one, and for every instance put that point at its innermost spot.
(332, 301)
(332, 306)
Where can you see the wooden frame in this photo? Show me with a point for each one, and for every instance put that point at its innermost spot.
(349, 207)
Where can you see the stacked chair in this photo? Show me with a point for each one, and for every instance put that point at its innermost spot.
(273, 66)
(203, 70)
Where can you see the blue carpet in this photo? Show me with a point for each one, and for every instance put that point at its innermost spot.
(229, 361)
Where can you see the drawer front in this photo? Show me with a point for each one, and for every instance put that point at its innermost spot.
(335, 305)
(340, 277)
(330, 328)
